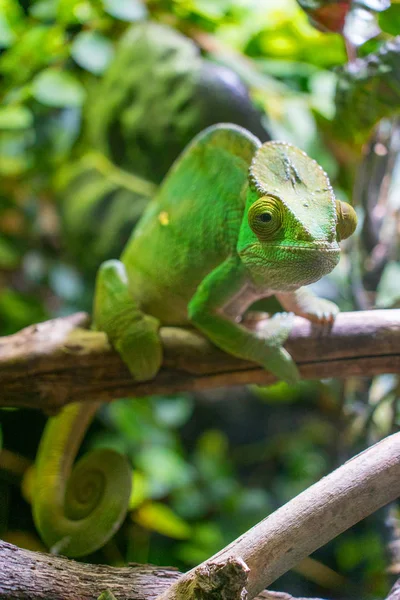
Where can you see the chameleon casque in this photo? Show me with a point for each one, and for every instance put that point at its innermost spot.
(233, 221)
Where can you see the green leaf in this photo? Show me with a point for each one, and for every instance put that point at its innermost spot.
(19, 310)
(126, 10)
(160, 518)
(213, 443)
(206, 540)
(72, 12)
(92, 51)
(15, 117)
(11, 19)
(57, 88)
(15, 151)
(172, 412)
(36, 48)
(389, 20)
(165, 468)
(211, 9)
(7, 35)
(140, 490)
(9, 257)
(44, 10)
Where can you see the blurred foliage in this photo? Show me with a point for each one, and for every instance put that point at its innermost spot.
(90, 120)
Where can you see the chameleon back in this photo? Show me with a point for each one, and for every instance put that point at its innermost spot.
(180, 239)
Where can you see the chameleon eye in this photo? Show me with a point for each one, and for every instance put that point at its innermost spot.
(265, 217)
(346, 220)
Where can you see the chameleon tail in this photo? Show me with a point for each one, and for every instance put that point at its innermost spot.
(77, 514)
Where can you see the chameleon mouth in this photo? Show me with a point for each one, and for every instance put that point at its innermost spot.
(316, 247)
(289, 267)
(263, 250)
(279, 254)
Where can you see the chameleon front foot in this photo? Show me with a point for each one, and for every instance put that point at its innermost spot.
(305, 304)
(275, 331)
(321, 311)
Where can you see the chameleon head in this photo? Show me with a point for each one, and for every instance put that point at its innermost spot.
(292, 222)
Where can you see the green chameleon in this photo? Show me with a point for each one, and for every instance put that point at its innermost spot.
(233, 221)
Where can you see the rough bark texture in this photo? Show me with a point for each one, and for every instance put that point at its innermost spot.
(26, 575)
(242, 569)
(53, 363)
(56, 362)
(394, 592)
(272, 547)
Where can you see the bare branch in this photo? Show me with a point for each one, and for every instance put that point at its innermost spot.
(245, 567)
(53, 363)
(27, 575)
(394, 592)
(352, 492)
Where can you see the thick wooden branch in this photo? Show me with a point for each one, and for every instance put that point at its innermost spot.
(395, 591)
(56, 362)
(272, 547)
(242, 569)
(27, 575)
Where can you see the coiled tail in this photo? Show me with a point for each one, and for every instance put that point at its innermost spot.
(78, 512)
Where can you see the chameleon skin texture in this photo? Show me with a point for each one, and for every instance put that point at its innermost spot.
(233, 221)
(192, 225)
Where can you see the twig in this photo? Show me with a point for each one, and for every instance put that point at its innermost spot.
(352, 492)
(56, 362)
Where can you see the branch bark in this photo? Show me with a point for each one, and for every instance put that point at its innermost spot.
(56, 362)
(242, 569)
(272, 547)
(27, 575)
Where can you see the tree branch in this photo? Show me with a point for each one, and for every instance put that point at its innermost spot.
(242, 569)
(27, 575)
(56, 362)
(272, 547)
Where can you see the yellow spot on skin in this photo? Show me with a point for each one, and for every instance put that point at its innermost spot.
(163, 218)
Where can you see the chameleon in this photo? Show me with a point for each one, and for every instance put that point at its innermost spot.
(234, 221)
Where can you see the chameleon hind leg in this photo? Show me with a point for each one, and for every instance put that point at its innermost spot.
(133, 333)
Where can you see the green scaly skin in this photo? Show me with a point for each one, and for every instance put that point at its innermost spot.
(76, 514)
(106, 595)
(234, 221)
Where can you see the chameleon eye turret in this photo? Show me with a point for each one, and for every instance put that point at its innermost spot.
(266, 217)
(346, 220)
(284, 172)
